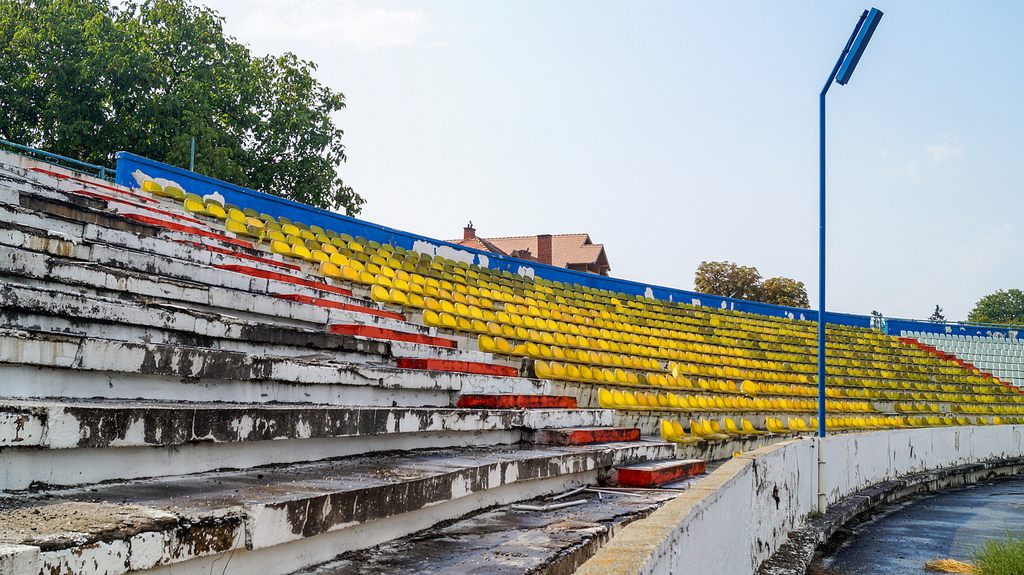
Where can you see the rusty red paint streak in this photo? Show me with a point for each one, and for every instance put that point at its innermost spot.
(639, 477)
(374, 332)
(516, 402)
(320, 302)
(269, 275)
(458, 366)
(186, 229)
(612, 434)
(233, 253)
(92, 183)
(140, 206)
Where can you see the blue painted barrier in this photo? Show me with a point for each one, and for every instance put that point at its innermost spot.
(128, 163)
(898, 326)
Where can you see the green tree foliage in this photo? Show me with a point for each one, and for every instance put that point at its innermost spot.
(784, 291)
(744, 282)
(86, 78)
(1003, 306)
(728, 279)
(937, 316)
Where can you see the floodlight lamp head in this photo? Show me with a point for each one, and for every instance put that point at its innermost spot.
(859, 44)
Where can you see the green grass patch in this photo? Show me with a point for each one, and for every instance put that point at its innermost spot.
(1001, 556)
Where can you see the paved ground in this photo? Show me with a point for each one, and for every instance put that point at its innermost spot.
(500, 541)
(948, 525)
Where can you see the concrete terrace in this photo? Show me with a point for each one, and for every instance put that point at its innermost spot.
(186, 393)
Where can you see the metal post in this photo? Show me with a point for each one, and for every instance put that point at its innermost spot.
(192, 156)
(822, 322)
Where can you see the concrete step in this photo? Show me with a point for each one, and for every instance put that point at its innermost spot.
(30, 307)
(94, 243)
(110, 243)
(277, 520)
(62, 443)
(34, 364)
(655, 473)
(587, 435)
(49, 272)
(507, 540)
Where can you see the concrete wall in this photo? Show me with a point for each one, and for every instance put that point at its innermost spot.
(733, 520)
(898, 326)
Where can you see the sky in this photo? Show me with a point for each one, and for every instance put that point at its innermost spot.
(675, 132)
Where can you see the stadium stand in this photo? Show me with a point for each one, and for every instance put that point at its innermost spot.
(188, 378)
(1001, 356)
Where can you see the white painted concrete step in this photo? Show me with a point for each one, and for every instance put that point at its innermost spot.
(63, 443)
(56, 311)
(34, 364)
(43, 253)
(276, 520)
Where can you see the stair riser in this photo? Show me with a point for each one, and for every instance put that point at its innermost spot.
(259, 340)
(95, 425)
(27, 382)
(22, 468)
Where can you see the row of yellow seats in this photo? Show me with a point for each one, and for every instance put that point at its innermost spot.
(1001, 409)
(707, 430)
(587, 374)
(400, 300)
(664, 401)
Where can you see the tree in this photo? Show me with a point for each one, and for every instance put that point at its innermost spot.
(728, 279)
(744, 282)
(86, 78)
(1003, 306)
(937, 315)
(784, 291)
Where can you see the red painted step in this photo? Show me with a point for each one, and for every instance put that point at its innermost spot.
(457, 366)
(375, 332)
(186, 229)
(651, 474)
(240, 255)
(269, 275)
(587, 435)
(516, 402)
(165, 213)
(96, 184)
(321, 302)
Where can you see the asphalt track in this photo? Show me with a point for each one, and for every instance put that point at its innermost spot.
(951, 524)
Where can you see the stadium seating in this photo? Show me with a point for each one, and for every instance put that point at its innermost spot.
(652, 355)
(275, 376)
(1002, 357)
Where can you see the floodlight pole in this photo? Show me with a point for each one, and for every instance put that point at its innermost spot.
(862, 41)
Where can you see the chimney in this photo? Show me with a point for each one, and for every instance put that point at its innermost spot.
(468, 231)
(544, 248)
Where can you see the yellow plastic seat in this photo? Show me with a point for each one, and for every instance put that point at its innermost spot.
(330, 270)
(279, 247)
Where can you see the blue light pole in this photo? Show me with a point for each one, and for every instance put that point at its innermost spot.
(843, 69)
(841, 73)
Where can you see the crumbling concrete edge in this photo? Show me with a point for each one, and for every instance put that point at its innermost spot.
(740, 515)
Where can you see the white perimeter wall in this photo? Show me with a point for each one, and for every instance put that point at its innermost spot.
(733, 520)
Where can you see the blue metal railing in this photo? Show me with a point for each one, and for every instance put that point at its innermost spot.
(62, 161)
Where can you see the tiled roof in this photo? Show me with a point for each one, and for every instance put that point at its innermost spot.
(480, 244)
(566, 249)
